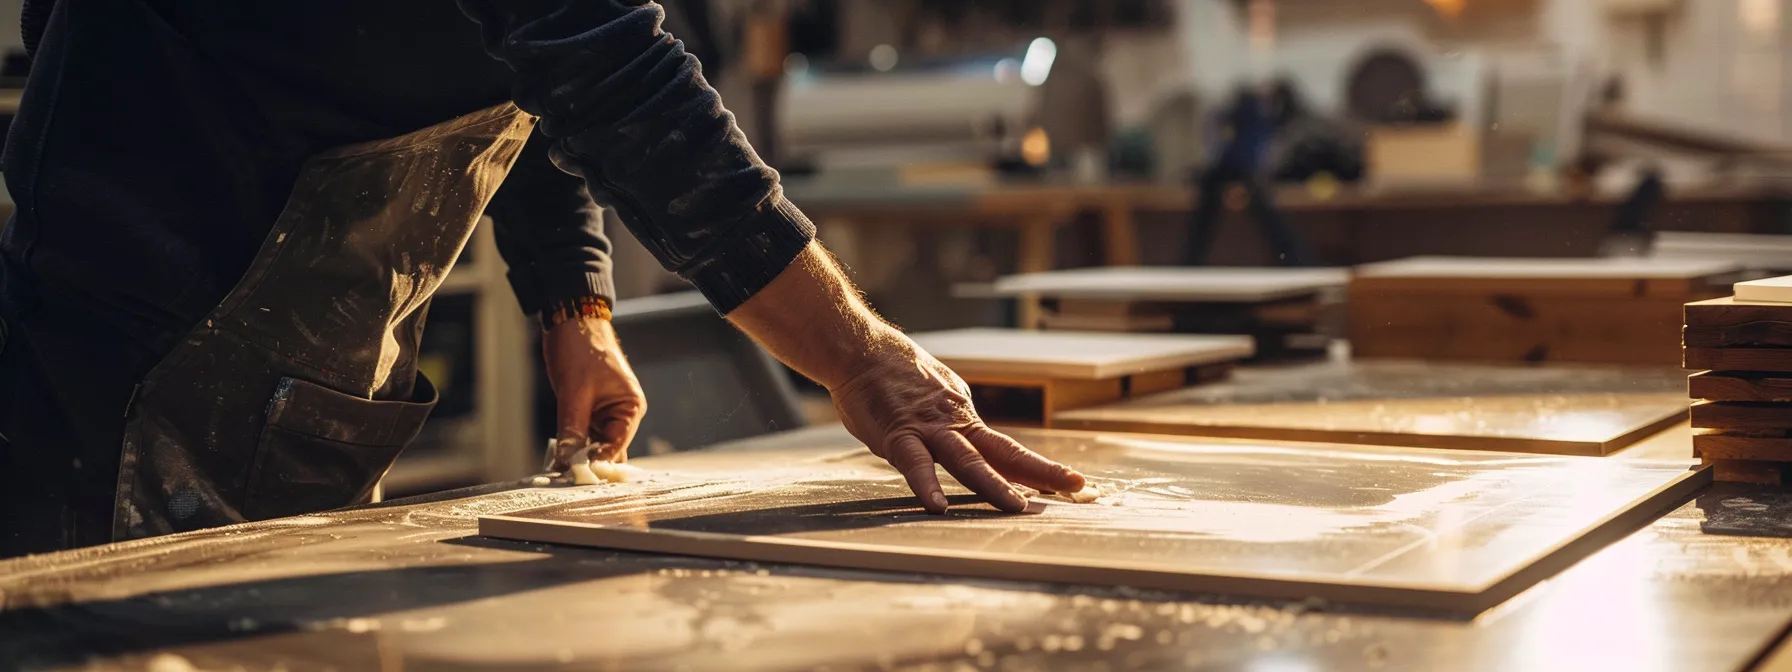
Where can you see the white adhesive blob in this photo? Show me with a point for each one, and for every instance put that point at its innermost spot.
(582, 474)
(1088, 494)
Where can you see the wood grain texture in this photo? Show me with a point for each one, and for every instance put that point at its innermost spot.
(1515, 328)
(1774, 360)
(1750, 415)
(1009, 353)
(1728, 311)
(1731, 447)
(1728, 323)
(1749, 471)
(1739, 386)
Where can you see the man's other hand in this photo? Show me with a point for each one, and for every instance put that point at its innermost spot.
(599, 401)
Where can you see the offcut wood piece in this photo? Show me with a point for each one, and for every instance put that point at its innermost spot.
(1774, 290)
(1764, 360)
(1028, 377)
(1515, 328)
(1730, 322)
(1742, 415)
(1446, 531)
(1717, 446)
(1571, 310)
(1739, 386)
(1564, 424)
(1749, 471)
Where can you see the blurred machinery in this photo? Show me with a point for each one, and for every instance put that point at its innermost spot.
(971, 112)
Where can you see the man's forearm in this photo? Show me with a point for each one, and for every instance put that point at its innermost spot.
(812, 318)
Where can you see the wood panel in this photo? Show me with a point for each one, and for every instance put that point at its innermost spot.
(1741, 415)
(1454, 532)
(1727, 322)
(1575, 424)
(1013, 353)
(1776, 360)
(1731, 447)
(1749, 471)
(1732, 386)
(1515, 328)
(1607, 277)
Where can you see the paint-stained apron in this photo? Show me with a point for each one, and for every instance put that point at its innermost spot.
(300, 388)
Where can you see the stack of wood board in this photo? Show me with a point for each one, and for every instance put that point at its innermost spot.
(1282, 309)
(1742, 419)
(1614, 310)
(1025, 377)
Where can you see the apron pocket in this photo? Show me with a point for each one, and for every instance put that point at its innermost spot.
(322, 449)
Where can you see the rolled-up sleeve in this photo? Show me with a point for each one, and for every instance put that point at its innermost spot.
(629, 111)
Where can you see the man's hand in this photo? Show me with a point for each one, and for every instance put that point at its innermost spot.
(914, 412)
(600, 403)
(906, 406)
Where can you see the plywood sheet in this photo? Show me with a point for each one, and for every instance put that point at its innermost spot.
(1544, 276)
(1400, 527)
(1728, 322)
(1734, 386)
(1731, 447)
(1016, 353)
(1579, 410)
(1777, 290)
(1497, 327)
(1742, 415)
(1175, 284)
(1775, 360)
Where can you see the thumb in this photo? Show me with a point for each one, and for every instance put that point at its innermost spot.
(573, 412)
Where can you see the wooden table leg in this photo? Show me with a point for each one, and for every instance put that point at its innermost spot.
(1038, 253)
(1120, 235)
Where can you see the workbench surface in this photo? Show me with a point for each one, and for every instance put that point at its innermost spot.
(409, 586)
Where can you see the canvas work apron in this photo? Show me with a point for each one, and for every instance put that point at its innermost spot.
(297, 392)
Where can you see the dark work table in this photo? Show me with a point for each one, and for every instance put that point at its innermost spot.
(409, 586)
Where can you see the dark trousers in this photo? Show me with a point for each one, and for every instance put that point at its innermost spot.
(65, 380)
(1290, 249)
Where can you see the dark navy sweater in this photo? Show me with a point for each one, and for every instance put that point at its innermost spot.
(158, 140)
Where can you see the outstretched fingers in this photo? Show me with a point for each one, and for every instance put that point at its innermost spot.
(961, 459)
(1021, 465)
(909, 455)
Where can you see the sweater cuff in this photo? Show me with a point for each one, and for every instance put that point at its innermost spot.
(538, 287)
(746, 262)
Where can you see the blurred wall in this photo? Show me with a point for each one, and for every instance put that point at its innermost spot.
(1722, 67)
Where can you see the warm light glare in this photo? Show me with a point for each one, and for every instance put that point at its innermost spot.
(883, 57)
(1038, 63)
(1036, 147)
(1448, 9)
(1759, 17)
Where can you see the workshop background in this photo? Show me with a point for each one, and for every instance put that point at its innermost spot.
(941, 144)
